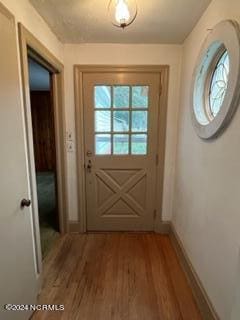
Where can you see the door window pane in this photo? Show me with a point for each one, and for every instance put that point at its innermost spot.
(140, 96)
(139, 121)
(103, 144)
(117, 131)
(102, 121)
(139, 144)
(121, 97)
(102, 96)
(120, 121)
(120, 144)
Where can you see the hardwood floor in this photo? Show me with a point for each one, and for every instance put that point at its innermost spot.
(117, 276)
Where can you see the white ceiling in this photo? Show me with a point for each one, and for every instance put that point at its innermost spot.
(86, 21)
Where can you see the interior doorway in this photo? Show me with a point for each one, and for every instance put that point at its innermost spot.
(44, 145)
(32, 47)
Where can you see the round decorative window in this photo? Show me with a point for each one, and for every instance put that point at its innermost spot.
(218, 85)
(216, 82)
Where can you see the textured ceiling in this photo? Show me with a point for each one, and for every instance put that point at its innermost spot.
(86, 21)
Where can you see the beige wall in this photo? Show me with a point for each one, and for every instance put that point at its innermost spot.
(206, 211)
(126, 54)
(26, 14)
(236, 305)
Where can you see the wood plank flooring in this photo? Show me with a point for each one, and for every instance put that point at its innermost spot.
(116, 276)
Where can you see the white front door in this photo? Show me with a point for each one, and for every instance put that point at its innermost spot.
(121, 130)
(18, 280)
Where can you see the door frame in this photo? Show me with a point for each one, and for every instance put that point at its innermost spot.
(30, 46)
(79, 71)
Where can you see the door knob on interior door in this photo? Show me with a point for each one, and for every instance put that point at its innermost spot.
(25, 203)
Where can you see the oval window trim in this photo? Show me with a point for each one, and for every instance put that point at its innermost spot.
(224, 36)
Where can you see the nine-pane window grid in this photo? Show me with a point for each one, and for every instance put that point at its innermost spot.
(121, 119)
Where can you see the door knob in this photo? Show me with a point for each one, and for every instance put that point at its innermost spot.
(25, 203)
(89, 166)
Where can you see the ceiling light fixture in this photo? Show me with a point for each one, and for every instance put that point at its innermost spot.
(122, 13)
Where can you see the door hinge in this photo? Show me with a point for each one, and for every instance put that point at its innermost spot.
(157, 159)
(154, 214)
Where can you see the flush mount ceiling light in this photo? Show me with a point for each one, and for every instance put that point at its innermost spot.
(122, 13)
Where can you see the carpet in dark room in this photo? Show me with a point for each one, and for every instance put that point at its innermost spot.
(47, 210)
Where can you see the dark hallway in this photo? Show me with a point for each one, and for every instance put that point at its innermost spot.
(44, 153)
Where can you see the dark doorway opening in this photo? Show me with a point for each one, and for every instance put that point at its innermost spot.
(44, 142)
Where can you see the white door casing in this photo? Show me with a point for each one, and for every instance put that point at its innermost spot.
(17, 272)
(121, 188)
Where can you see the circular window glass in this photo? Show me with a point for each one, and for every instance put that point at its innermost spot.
(216, 80)
(218, 85)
